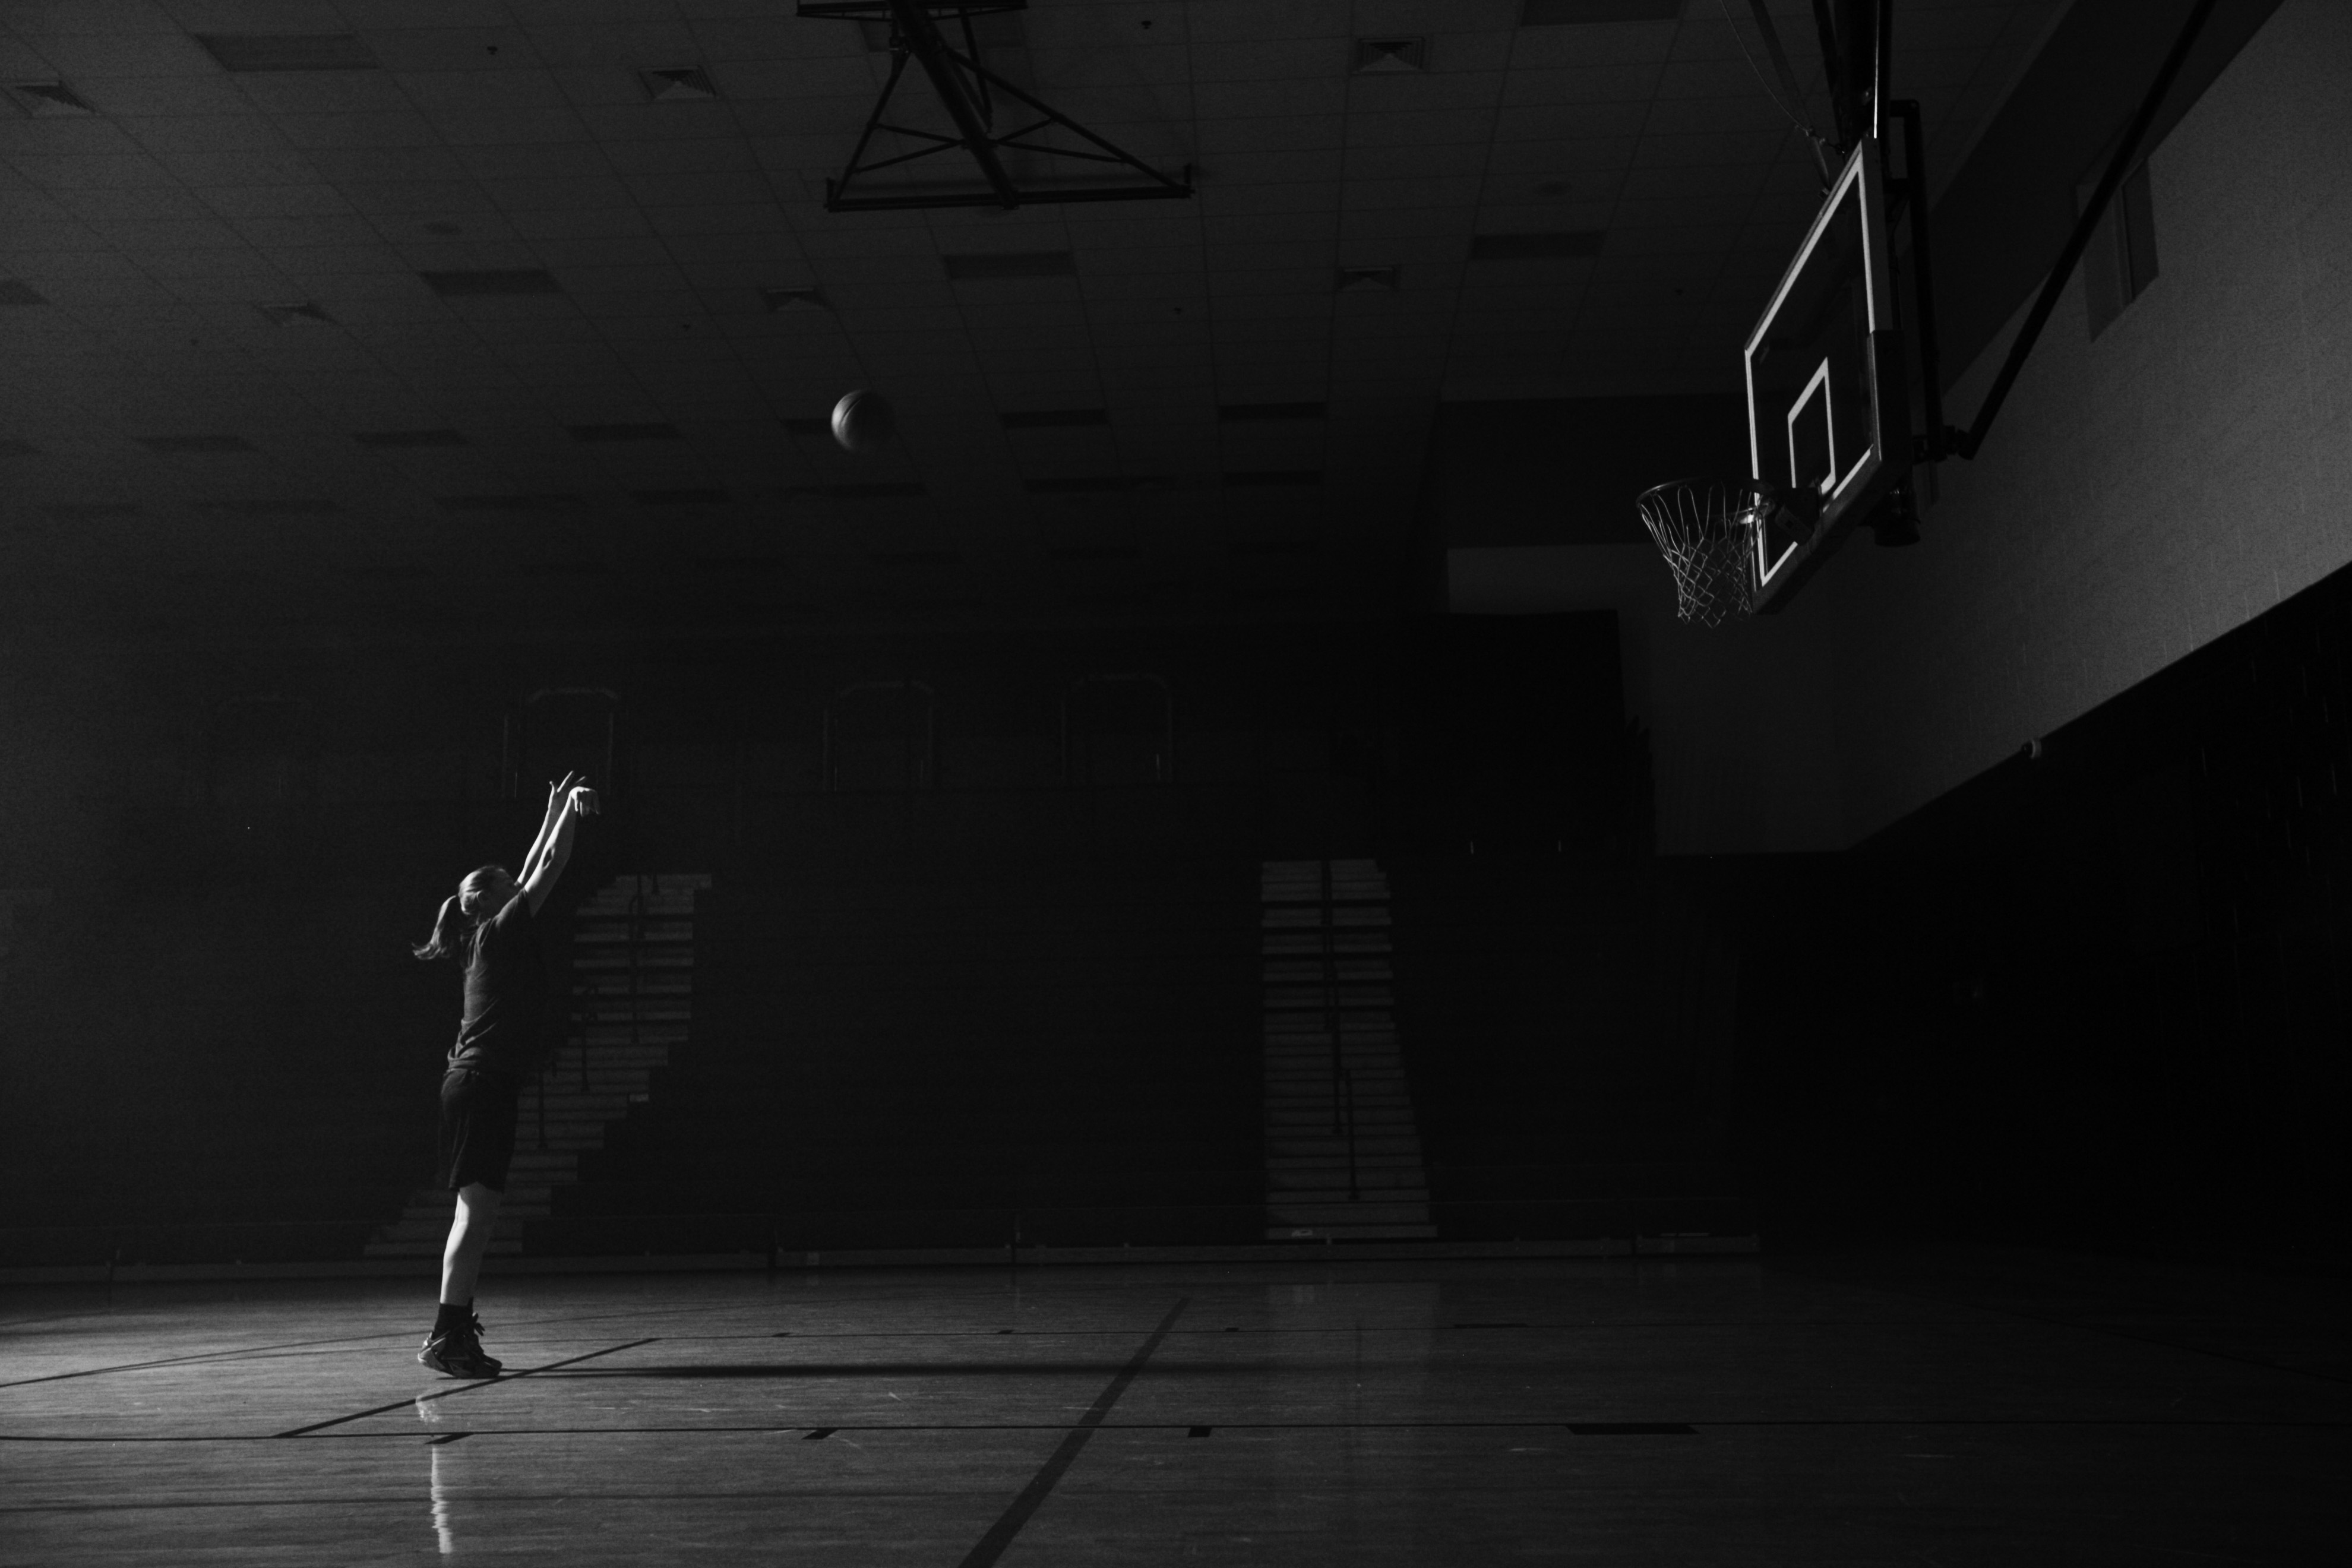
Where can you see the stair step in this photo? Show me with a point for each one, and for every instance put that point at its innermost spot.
(1344, 1212)
(1351, 1233)
(597, 1035)
(1410, 1190)
(497, 1248)
(1297, 1146)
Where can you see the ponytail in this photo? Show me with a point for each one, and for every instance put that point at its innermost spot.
(449, 930)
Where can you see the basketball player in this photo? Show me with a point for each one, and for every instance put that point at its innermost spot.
(492, 923)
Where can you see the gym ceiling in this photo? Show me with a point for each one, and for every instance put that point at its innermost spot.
(427, 317)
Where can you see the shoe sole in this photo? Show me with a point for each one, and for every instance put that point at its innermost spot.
(473, 1373)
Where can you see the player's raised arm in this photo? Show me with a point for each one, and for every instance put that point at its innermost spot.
(555, 846)
(557, 794)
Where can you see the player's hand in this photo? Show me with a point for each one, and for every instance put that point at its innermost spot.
(584, 803)
(557, 794)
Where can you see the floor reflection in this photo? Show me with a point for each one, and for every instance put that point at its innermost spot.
(446, 1465)
(444, 1471)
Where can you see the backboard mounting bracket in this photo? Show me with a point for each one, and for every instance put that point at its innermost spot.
(969, 92)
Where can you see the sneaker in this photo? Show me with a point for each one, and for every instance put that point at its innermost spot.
(459, 1352)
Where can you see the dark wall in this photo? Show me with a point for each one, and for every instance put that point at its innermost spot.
(1566, 470)
(2097, 997)
(215, 1020)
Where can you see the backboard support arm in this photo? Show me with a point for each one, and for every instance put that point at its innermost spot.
(1936, 445)
(1966, 442)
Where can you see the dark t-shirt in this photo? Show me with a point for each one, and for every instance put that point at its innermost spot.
(504, 1026)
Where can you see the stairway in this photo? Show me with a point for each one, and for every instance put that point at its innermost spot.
(632, 1000)
(1343, 1154)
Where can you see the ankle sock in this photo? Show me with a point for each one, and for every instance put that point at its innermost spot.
(452, 1315)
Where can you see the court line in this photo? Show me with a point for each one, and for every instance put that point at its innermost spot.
(466, 1387)
(292, 1347)
(1008, 1525)
(1544, 1424)
(195, 1357)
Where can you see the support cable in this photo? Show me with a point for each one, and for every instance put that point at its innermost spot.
(1788, 79)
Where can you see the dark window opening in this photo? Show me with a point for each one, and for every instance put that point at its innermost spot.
(2121, 261)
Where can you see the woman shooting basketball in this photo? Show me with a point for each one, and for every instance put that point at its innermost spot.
(491, 923)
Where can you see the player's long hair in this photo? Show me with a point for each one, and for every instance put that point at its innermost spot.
(458, 925)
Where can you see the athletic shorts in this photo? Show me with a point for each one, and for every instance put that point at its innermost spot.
(478, 1127)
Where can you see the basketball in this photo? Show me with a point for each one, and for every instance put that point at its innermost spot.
(862, 421)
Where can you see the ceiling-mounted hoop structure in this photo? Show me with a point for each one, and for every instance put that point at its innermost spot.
(968, 91)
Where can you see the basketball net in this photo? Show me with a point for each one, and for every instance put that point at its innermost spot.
(1704, 529)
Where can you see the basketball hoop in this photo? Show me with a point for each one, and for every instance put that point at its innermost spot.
(1703, 528)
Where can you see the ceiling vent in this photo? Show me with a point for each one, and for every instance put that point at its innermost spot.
(1245, 413)
(878, 491)
(1261, 478)
(1352, 280)
(49, 100)
(678, 84)
(90, 510)
(678, 497)
(287, 51)
(600, 433)
(505, 281)
(397, 439)
(270, 506)
(1055, 418)
(1571, 12)
(1559, 245)
(989, 265)
(1384, 57)
(543, 502)
(180, 446)
(287, 315)
(794, 300)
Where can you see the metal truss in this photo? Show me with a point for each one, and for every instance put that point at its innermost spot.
(969, 92)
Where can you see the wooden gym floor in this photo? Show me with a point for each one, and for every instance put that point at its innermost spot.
(1928, 1406)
